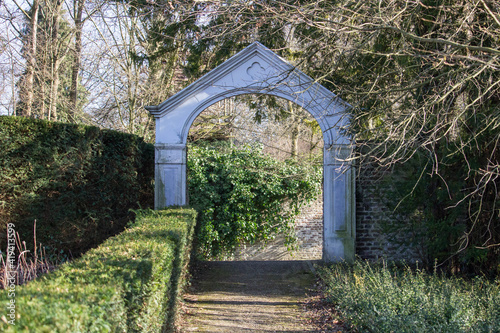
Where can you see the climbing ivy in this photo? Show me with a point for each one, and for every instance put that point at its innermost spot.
(244, 196)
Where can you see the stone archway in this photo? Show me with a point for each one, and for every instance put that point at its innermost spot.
(258, 70)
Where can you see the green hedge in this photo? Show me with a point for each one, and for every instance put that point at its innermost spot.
(128, 284)
(78, 182)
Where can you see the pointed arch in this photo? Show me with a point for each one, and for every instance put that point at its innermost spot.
(258, 70)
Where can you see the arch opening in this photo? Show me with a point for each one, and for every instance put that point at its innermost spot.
(274, 128)
(319, 117)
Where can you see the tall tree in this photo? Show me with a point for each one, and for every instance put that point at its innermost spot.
(78, 7)
(41, 81)
(424, 83)
(58, 48)
(27, 89)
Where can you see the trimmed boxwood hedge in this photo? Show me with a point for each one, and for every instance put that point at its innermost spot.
(77, 181)
(129, 283)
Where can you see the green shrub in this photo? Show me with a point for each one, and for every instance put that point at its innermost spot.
(243, 195)
(380, 299)
(439, 212)
(78, 182)
(128, 284)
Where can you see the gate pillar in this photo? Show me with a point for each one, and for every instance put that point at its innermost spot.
(339, 231)
(170, 175)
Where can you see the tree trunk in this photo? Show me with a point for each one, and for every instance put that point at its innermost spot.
(294, 139)
(54, 90)
(42, 99)
(78, 7)
(55, 60)
(30, 61)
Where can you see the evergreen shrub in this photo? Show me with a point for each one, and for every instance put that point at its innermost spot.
(129, 283)
(383, 299)
(78, 182)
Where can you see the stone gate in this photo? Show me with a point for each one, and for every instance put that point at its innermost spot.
(258, 70)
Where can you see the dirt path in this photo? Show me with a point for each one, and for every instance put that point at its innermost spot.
(249, 296)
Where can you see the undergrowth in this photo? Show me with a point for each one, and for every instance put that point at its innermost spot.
(27, 264)
(374, 298)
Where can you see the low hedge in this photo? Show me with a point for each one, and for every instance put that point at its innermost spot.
(77, 181)
(129, 283)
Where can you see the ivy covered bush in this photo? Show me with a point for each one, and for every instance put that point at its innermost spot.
(244, 196)
(79, 182)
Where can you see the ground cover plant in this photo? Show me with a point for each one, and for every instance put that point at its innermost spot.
(378, 298)
(78, 182)
(244, 196)
(129, 283)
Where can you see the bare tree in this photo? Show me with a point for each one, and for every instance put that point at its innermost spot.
(423, 78)
(28, 88)
(78, 8)
(9, 64)
(45, 37)
(128, 70)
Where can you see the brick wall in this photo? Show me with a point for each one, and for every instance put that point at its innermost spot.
(309, 232)
(371, 212)
(371, 243)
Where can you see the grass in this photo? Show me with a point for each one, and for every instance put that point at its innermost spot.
(374, 298)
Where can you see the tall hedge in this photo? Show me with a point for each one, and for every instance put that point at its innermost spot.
(78, 182)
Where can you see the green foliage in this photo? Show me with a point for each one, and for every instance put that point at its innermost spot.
(128, 284)
(382, 299)
(233, 26)
(243, 195)
(78, 182)
(411, 191)
(419, 86)
(438, 216)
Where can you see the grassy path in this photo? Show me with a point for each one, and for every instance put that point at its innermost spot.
(249, 296)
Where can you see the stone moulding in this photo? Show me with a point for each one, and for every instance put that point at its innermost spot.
(258, 70)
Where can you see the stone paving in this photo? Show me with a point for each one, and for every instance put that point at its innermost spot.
(248, 296)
